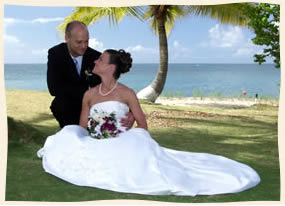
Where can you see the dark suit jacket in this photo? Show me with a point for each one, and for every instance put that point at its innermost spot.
(65, 84)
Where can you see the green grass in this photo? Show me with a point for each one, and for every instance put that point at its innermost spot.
(198, 93)
(218, 95)
(171, 94)
(248, 135)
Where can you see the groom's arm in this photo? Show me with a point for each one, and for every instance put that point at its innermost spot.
(129, 121)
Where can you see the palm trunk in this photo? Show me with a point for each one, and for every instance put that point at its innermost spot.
(152, 91)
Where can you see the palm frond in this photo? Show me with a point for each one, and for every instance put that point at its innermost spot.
(90, 15)
(235, 14)
(172, 15)
(169, 14)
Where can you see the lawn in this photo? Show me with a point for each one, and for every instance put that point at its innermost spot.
(248, 135)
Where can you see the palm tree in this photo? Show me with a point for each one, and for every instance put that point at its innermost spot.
(161, 19)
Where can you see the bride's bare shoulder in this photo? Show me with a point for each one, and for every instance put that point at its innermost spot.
(126, 94)
(125, 89)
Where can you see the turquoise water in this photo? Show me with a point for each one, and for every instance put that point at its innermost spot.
(228, 79)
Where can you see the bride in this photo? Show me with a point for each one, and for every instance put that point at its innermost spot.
(101, 153)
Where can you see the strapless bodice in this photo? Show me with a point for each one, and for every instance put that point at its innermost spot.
(119, 108)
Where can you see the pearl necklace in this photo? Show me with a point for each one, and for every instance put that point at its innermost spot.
(102, 94)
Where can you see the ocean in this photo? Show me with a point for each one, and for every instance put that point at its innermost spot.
(182, 79)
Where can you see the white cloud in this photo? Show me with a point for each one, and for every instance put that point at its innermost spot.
(47, 20)
(178, 47)
(143, 54)
(11, 39)
(136, 48)
(12, 42)
(178, 52)
(225, 38)
(95, 44)
(176, 44)
(14, 46)
(11, 21)
(242, 52)
(141, 49)
(231, 39)
(247, 48)
(146, 54)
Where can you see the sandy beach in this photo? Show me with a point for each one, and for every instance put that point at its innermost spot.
(215, 102)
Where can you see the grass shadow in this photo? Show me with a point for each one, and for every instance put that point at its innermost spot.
(41, 117)
(25, 132)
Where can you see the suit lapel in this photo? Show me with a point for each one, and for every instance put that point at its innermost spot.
(73, 69)
(85, 65)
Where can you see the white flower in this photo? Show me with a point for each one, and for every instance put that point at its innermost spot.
(96, 116)
(101, 121)
(97, 129)
(89, 124)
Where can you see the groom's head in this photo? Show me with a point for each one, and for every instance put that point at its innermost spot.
(76, 37)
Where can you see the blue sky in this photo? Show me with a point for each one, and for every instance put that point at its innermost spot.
(29, 31)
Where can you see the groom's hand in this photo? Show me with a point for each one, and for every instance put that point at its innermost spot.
(128, 121)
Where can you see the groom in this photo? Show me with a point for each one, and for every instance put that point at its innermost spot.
(68, 77)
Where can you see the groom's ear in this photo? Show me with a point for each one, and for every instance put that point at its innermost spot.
(66, 37)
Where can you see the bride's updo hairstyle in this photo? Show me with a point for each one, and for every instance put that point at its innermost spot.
(121, 59)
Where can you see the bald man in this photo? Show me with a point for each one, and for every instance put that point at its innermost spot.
(67, 76)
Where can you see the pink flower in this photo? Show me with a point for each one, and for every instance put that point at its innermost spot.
(107, 126)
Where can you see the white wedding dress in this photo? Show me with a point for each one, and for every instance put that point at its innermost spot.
(135, 163)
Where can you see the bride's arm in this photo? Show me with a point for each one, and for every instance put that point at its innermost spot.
(84, 110)
(136, 109)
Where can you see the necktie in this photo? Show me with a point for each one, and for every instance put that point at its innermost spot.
(77, 66)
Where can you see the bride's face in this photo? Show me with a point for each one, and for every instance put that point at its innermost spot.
(101, 64)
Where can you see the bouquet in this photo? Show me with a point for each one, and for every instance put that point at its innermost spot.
(102, 125)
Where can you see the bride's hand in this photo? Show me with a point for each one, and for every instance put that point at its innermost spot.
(128, 121)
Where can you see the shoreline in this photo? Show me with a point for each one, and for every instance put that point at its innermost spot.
(225, 102)
(215, 102)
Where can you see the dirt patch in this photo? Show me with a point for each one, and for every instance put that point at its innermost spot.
(178, 118)
(175, 118)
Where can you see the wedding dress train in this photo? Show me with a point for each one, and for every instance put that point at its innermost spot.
(134, 163)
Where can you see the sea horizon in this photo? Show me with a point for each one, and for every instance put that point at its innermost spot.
(169, 63)
(183, 79)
